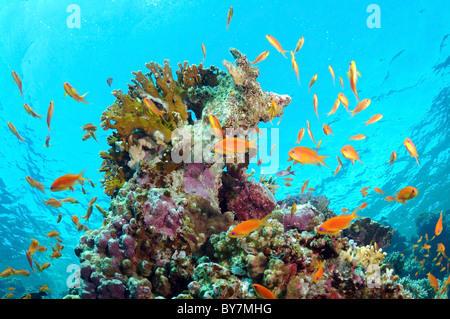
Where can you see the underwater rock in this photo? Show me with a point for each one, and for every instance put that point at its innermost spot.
(253, 200)
(365, 231)
(166, 232)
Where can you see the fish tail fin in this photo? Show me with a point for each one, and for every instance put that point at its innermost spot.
(321, 160)
(82, 98)
(80, 176)
(252, 143)
(39, 116)
(283, 51)
(417, 160)
(357, 153)
(264, 220)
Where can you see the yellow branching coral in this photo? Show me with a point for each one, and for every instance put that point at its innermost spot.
(365, 255)
(113, 181)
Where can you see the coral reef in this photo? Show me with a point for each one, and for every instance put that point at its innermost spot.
(167, 231)
(366, 231)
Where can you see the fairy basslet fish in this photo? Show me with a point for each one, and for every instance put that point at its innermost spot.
(66, 182)
(406, 193)
(305, 155)
(234, 145)
(276, 44)
(438, 228)
(335, 224)
(245, 228)
(73, 93)
(349, 153)
(411, 149)
(263, 292)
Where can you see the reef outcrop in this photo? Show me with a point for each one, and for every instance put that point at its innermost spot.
(174, 201)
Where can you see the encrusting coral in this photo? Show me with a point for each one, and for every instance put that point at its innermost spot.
(167, 231)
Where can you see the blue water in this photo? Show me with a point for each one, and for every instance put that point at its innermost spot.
(405, 72)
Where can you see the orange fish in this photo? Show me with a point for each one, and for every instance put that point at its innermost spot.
(318, 145)
(310, 132)
(299, 44)
(313, 80)
(263, 292)
(230, 15)
(327, 129)
(358, 137)
(332, 74)
(319, 272)
(305, 184)
(441, 250)
(89, 127)
(378, 190)
(363, 205)
(406, 193)
(300, 135)
(335, 107)
(234, 145)
(273, 110)
(30, 111)
(215, 125)
(18, 81)
(342, 82)
(305, 155)
(66, 182)
(70, 200)
(53, 202)
(349, 153)
(361, 107)
(261, 57)
(335, 224)
(339, 160)
(35, 184)
(343, 100)
(150, 106)
(14, 131)
(338, 168)
(73, 93)
(393, 158)
(411, 149)
(50, 114)
(56, 254)
(75, 219)
(245, 228)
(353, 75)
(30, 260)
(315, 103)
(276, 44)
(375, 118)
(433, 281)
(204, 51)
(295, 66)
(33, 246)
(438, 227)
(362, 190)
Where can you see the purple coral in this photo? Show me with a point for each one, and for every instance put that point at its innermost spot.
(198, 179)
(253, 200)
(162, 213)
(301, 218)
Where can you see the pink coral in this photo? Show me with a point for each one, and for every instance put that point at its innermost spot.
(254, 200)
(162, 213)
(301, 219)
(198, 179)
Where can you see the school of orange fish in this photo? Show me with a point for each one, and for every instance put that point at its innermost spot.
(62, 183)
(231, 146)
